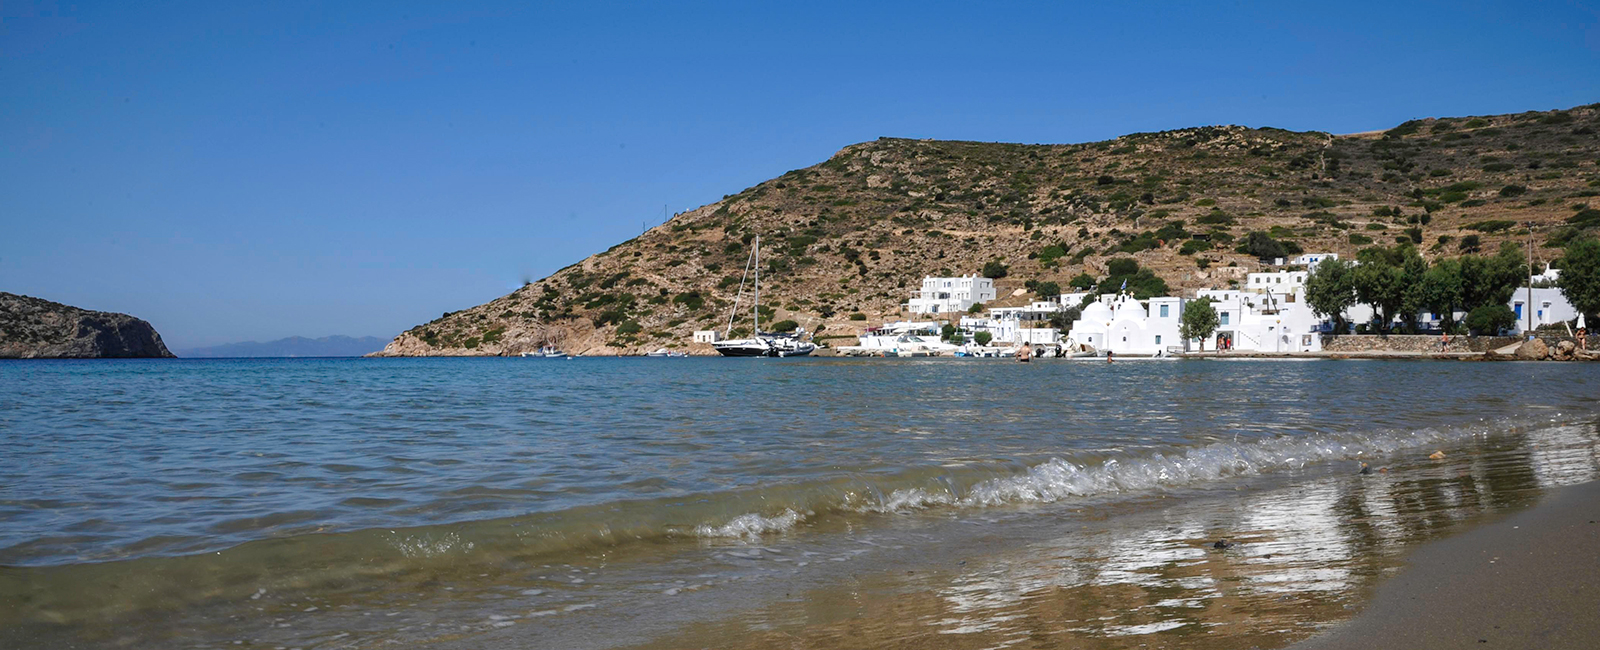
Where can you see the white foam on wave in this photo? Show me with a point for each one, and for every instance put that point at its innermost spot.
(1058, 479)
(752, 525)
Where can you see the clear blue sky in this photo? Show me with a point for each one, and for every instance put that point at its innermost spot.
(233, 173)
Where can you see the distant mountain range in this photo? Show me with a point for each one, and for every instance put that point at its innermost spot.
(294, 346)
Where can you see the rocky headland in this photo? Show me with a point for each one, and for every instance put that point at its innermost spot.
(845, 241)
(34, 328)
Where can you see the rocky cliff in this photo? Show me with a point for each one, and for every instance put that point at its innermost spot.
(846, 241)
(32, 328)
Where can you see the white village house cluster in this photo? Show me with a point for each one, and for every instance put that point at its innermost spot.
(1267, 313)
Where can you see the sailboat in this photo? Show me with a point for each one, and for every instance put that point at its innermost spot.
(762, 344)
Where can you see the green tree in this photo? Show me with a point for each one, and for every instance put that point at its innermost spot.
(946, 332)
(1198, 321)
(976, 308)
(785, 326)
(995, 269)
(1382, 286)
(1330, 290)
(958, 338)
(1063, 318)
(1263, 246)
(1083, 281)
(1490, 319)
(983, 338)
(1580, 277)
(1047, 289)
(1440, 291)
(1412, 271)
(1122, 266)
(1491, 280)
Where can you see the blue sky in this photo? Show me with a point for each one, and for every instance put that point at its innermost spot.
(234, 173)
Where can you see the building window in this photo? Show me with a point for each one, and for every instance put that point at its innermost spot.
(1224, 318)
(1158, 339)
(1163, 312)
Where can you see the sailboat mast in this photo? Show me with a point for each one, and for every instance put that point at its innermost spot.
(755, 305)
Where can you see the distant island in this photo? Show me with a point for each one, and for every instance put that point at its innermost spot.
(34, 328)
(294, 346)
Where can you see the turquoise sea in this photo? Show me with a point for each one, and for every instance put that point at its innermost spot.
(686, 502)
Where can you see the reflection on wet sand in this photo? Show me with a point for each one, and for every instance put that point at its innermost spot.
(1301, 558)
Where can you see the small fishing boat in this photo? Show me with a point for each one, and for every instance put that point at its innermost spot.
(545, 352)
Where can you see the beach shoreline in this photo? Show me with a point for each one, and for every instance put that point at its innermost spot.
(1527, 580)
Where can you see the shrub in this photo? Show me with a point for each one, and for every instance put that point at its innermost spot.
(982, 338)
(692, 300)
(1122, 266)
(629, 328)
(1358, 239)
(1414, 234)
(1470, 244)
(1049, 254)
(1585, 218)
(1194, 246)
(1499, 167)
(780, 326)
(1206, 203)
(1490, 225)
(858, 316)
(1047, 289)
(1263, 246)
(1490, 319)
(994, 269)
(1083, 281)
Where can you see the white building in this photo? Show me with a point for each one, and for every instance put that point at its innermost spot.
(1550, 276)
(707, 336)
(1280, 282)
(951, 295)
(1122, 325)
(1549, 307)
(1264, 320)
(1311, 260)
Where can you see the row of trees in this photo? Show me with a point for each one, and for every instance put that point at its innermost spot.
(1398, 284)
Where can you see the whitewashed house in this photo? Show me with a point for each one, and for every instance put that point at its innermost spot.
(1549, 307)
(951, 295)
(1264, 320)
(1311, 260)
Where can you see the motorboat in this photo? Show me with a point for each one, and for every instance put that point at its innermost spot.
(545, 352)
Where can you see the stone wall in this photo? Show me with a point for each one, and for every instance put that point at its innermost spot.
(1552, 339)
(1421, 343)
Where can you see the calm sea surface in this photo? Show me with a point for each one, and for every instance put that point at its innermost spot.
(607, 502)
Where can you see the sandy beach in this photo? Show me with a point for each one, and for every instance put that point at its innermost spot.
(1527, 581)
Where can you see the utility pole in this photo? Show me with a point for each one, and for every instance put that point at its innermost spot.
(1529, 307)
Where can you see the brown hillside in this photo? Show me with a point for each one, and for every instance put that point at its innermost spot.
(855, 234)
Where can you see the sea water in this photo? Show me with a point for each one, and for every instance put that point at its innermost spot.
(692, 502)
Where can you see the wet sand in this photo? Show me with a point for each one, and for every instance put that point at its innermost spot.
(1531, 580)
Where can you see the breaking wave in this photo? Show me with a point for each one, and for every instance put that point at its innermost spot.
(1088, 476)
